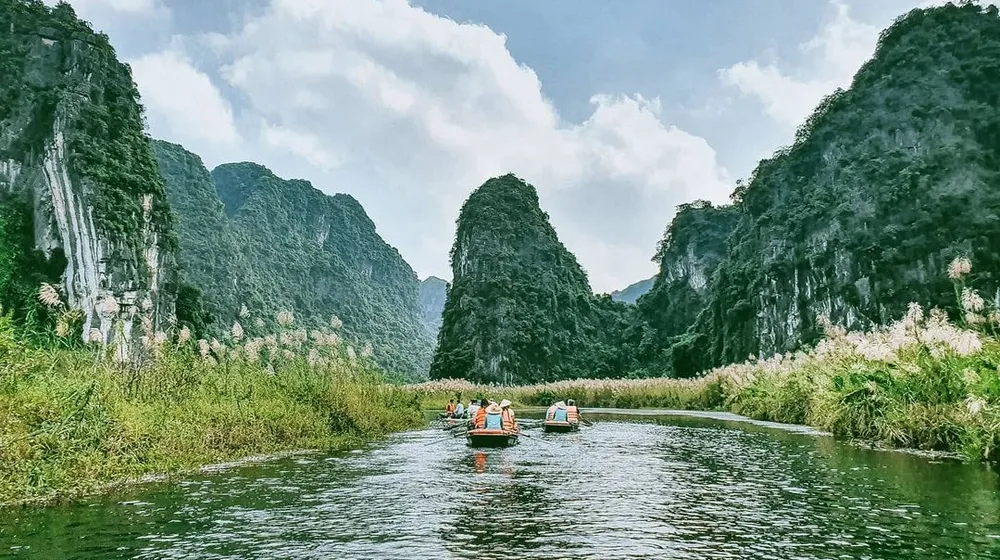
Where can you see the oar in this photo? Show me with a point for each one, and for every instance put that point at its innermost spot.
(586, 422)
(534, 438)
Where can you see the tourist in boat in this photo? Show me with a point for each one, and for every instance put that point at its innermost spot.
(507, 416)
(493, 417)
(557, 412)
(459, 410)
(472, 410)
(572, 412)
(449, 411)
(480, 418)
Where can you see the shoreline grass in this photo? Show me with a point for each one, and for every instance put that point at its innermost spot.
(75, 420)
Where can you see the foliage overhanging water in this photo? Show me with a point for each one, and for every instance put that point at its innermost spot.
(629, 487)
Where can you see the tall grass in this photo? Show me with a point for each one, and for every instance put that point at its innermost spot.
(74, 419)
(922, 382)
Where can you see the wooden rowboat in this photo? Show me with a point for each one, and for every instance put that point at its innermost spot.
(481, 437)
(559, 426)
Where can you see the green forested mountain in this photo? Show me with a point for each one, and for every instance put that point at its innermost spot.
(885, 184)
(520, 308)
(81, 203)
(433, 292)
(633, 292)
(249, 238)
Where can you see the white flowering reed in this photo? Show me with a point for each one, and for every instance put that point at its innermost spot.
(972, 301)
(285, 318)
(244, 312)
(237, 330)
(184, 335)
(959, 268)
(48, 295)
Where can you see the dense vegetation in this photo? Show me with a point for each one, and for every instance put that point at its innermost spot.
(520, 308)
(253, 242)
(62, 82)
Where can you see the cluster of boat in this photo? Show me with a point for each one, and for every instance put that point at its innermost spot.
(492, 424)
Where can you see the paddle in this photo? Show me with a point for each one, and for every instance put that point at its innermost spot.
(534, 438)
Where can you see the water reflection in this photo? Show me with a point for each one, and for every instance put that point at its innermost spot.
(649, 487)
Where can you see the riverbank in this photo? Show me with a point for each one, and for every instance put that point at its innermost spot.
(920, 383)
(75, 421)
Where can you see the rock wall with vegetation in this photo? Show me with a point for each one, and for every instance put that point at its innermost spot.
(520, 308)
(253, 242)
(690, 251)
(81, 203)
(885, 184)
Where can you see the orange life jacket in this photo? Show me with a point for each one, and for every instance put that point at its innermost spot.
(480, 417)
(450, 408)
(572, 414)
(508, 419)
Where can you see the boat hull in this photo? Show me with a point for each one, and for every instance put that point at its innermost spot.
(554, 426)
(490, 438)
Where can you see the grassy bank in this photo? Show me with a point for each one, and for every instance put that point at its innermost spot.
(922, 382)
(75, 419)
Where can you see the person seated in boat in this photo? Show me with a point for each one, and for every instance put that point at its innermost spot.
(557, 412)
(572, 412)
(472, 409)
(507, 416)
(459, 410)
(449, 410)
(480, 418)
(493, 417)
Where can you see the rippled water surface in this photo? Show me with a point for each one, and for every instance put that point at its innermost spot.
(628, 487)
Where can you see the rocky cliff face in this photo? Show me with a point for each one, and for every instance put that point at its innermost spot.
(884, 185)
(520, 308)
(691, 250)
(73, 151)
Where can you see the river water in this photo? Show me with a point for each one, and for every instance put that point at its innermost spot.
(630, 486)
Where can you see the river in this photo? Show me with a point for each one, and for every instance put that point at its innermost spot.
(630, 486)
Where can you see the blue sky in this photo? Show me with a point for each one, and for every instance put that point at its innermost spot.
(616, 111)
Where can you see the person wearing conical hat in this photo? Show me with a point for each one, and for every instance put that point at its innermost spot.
(551, 412)
(507, 414)
(493, 417)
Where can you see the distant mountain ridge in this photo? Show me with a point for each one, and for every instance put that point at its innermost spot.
(248, 237)
(633, 292)
(433, 292)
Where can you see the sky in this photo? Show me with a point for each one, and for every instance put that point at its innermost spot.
(616, 112)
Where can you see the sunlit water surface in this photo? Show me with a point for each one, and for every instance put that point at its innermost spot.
(629, 487)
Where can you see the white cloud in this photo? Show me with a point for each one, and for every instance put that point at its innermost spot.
(182, 103)
(89, 8)
(833, 56)
(426, 109)
(841, 47)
